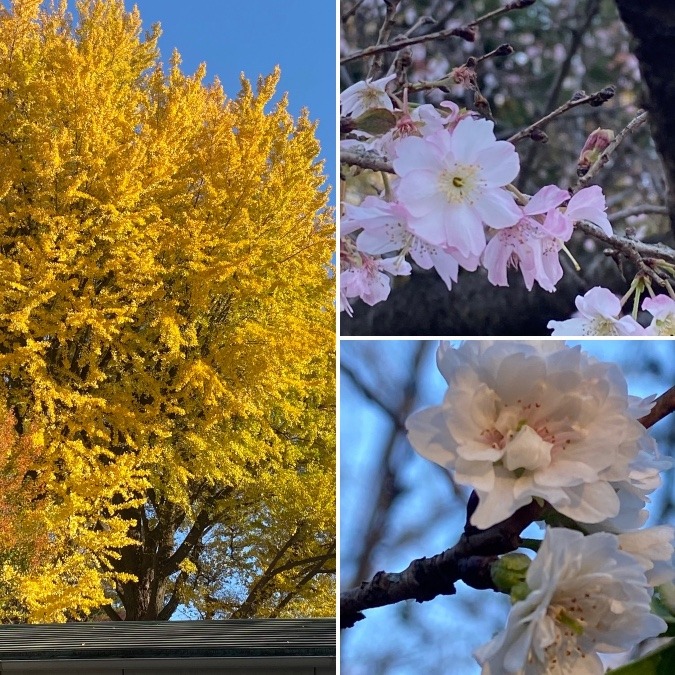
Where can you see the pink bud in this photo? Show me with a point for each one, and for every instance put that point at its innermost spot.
(594, 146)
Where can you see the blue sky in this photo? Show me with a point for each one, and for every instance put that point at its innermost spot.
(252, 36)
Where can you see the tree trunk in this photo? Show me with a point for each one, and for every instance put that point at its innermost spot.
(651, 24)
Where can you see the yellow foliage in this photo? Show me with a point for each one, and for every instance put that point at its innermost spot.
(166, 299)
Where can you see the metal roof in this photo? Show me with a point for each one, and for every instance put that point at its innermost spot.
(169, 639)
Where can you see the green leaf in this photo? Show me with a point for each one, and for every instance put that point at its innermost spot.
(659, 662)
(375, 121)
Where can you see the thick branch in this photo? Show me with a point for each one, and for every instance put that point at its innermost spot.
(426, 578)
(366, 161)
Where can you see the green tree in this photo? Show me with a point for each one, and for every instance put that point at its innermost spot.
(166, 327)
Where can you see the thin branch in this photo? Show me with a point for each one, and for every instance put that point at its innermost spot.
(643, 209)
(517, 4)
(365, 391)
(352, 10)
(630, 247)
(463, 32)
(467, 33)
(366, 161)
(595, 99)
(664, 406)
(387, 487)
(383, 38)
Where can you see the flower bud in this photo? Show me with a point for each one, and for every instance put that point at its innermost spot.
(594, 146)
(508, 573)
(464, 75)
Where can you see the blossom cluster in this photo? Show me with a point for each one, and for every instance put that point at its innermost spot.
(524, 421)
(450, 202)
(599, 313)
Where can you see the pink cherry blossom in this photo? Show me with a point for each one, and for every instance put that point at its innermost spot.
(363, 96)
(599, 314)
(385, 230)
(532, 244)
(589, 204)
(662, 308)
(366, 276)
(452, 183)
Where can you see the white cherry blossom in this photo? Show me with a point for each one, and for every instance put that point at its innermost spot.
(523, 420)
(585, 596)
(363, 96)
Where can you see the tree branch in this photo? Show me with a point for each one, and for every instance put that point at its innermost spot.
(426, 578)
(635, 123)
(595, 99)
(368, 161)
(664, 405)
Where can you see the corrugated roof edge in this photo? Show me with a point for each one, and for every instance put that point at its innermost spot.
(169, 639)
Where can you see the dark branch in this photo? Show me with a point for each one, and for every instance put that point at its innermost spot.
(665, 404)
(426, 578)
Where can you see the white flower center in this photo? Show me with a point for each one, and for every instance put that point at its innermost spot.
(601, 326)
(527, 442)
(665, 326)
(372, 97)
(458, 184)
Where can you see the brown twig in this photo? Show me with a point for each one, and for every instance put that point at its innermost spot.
(426, 578)
(635, 251)
(366, 161)
(467, 33)
(462, 32)
(382, 38)
(595, 99)
(443, 82)
(664, 406)
(641, 210)
(517, 4)
(352, 10)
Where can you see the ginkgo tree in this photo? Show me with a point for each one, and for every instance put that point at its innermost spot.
(166, 329)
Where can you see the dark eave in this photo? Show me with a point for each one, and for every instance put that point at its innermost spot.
(169, 639)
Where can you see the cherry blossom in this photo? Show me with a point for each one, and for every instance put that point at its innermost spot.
(599, 314)
(533, 243)
(662, 309)
(385, 230)
(363, 96)
(366, 276)
(653, 548)
(452, 183)
(589, 204)
(585, 596)
(522, 420)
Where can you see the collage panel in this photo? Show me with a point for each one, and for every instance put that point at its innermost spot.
(167, 336)
(507, 169)
(506, 506)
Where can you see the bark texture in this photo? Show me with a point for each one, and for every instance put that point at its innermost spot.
(651, 24)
